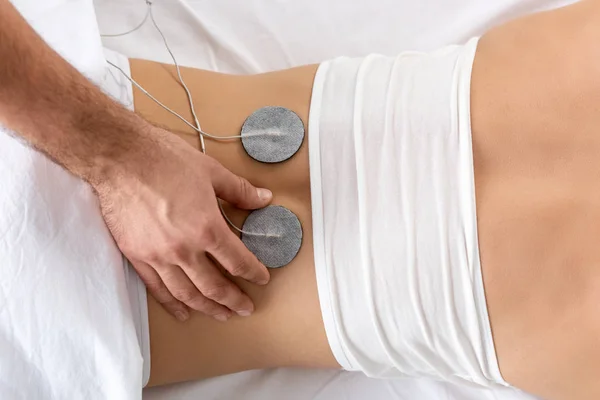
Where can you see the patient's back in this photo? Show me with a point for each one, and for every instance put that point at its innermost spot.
(286, 328)
(536, 145)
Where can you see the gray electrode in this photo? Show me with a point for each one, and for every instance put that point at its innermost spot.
(272, 134)
(273, 234)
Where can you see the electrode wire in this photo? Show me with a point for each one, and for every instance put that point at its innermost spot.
(137, 85)
(196, 127)
(134, 29)
(187, 91)
(200, 131)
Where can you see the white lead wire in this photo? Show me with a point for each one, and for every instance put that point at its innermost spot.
(200, 131)
(191, 102)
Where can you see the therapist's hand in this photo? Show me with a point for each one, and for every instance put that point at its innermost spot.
(160, 206)
(157, 194)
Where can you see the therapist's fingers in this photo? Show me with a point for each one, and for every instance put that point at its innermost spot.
(159, 291)
(215, 286)
(182, 288)
(238, 191)
(235, 257)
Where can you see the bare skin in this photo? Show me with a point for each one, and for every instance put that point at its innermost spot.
(286, 328)
(536, 134)
(535, 125)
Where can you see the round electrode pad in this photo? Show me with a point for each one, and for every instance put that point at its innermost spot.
(273, 234)
(272, 134)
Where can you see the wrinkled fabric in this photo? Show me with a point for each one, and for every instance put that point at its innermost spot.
(395, 227)
(66, 328)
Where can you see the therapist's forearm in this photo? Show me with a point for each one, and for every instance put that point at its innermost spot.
(158, 196)
(55, 108)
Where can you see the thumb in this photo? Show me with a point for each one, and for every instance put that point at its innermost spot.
(238, 191)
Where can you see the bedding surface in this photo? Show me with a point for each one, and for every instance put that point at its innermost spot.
(66, 329)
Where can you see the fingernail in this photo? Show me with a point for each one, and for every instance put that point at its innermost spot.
(221, 317)
(182, 315)
(262, 282)
(264, 194)
(244, 313)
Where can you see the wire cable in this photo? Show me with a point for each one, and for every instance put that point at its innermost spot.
(196, 126)
(132, 30)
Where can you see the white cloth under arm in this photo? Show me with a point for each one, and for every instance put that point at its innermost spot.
(66, 326)
(121, 89)
(393, 201)
(70, 28)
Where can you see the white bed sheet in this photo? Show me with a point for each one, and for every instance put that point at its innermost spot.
(66, 328)
(255, 36)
